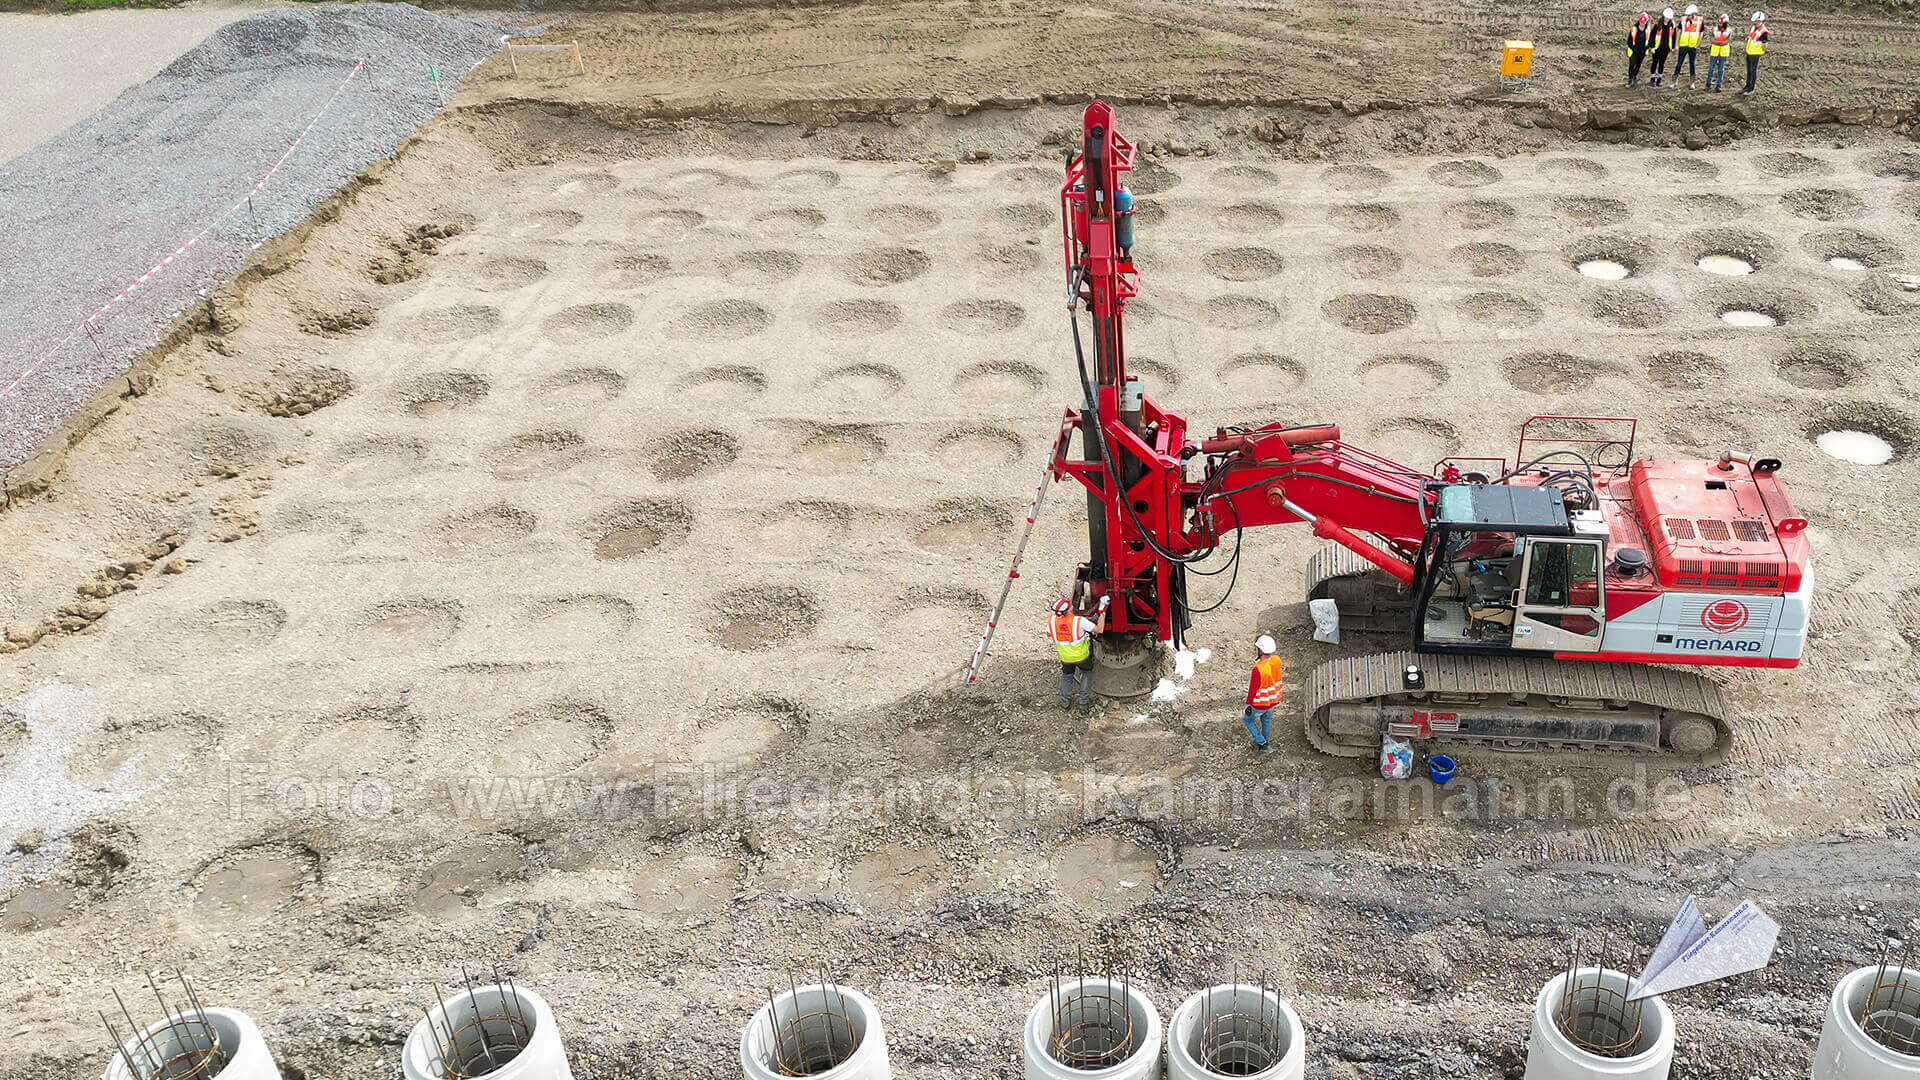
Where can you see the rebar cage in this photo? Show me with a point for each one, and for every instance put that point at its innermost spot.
(1242, 1035)
(817, 1033)
(1890, 1014)
(1093, 1026)
(1595, 1014)
(186, 1048)
(481, 1031)
(183, 1045)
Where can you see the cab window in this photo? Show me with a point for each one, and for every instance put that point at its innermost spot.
(1563, 575)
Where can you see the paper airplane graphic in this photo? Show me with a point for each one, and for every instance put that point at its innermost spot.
(1690, 954)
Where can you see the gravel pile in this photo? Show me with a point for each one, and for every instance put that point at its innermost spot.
(89, 211)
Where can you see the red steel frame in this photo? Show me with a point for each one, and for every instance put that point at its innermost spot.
(1264, 477)
(1103, 280)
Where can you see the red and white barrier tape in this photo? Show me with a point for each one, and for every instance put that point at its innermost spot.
(142, 280)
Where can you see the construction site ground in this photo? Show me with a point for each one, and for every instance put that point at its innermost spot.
(561, 560)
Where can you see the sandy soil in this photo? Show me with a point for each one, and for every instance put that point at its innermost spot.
(1351, 58)
(684, 455)
(60, 69)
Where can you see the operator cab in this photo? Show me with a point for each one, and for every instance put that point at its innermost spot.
(1508, 567)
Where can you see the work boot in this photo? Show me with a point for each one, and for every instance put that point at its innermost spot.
(1260, 751)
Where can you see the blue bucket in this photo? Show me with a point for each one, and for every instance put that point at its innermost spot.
(1440, 767)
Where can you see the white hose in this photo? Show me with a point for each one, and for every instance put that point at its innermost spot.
(824, 1031)
(1846, 1051)
(238, 1036)
(1249, 1030)
(476, 1033)
(1648, 1051)
(1095, 1020)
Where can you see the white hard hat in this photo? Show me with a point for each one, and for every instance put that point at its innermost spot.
(1266, 645)
(1667, 14)
(1693, 9)
(1062, 606)
(1759, 16)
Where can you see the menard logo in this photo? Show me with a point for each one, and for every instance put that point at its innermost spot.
(1424, 725)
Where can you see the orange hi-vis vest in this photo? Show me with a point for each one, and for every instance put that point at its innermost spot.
(1755, 44)
(1690, 31)
(1070, 639)
(1719, 46)
(1267, 694)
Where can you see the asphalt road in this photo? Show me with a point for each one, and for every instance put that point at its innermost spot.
(60, 69)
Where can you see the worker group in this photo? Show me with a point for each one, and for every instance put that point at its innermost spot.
(1650, 41)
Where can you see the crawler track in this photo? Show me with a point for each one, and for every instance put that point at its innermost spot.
(1510, 703)
(1517, 704)
(1369, 600)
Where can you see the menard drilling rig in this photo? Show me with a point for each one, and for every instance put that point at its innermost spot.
(1550, 604)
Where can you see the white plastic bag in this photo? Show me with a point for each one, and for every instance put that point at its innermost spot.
(1326, 620)
(1396, 758)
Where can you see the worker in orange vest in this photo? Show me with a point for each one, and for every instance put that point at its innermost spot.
(1717, 50)
(1072, 637)
(1756, 45)
(1263, 693)
(1691, 23)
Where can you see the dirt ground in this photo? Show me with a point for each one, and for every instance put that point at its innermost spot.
(562, 565)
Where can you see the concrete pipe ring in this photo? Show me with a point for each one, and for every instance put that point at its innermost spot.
(1584, 1028)
(1235, 1030)
(825, 1031)
(1885, 998)
(498, 1031)
(1092, 1028)
(228, 1035)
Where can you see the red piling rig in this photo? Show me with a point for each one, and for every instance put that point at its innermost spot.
(1144, 439)
(1146, 520)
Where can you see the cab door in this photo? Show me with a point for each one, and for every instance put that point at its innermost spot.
(1560, 605)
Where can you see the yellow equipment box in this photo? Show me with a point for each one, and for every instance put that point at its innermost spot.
(1516, 61)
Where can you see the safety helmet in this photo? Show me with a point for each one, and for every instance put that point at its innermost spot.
(1692, 9)
(1643, 17)
(1062, 606)
(1723, 18)
(1759, 16)
(1667, 14)
(1266, 645)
